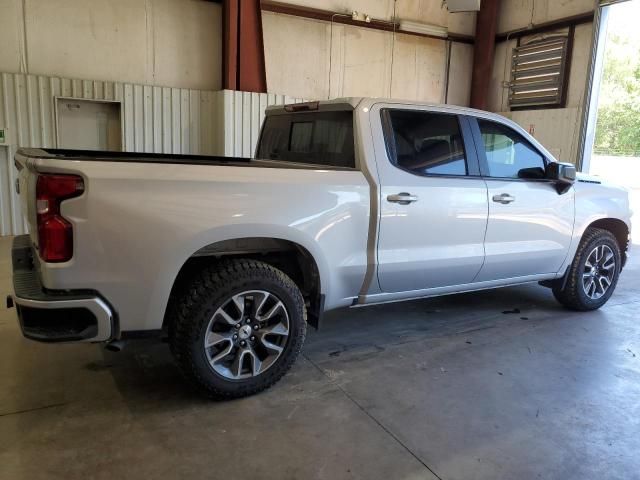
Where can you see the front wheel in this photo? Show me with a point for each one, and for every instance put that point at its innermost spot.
(593, 275)
(238, 328)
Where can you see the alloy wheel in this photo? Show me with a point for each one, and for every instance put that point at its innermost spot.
(599, 271)
(247, 334)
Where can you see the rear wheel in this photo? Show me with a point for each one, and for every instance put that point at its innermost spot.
(238, 328)
(593, 275)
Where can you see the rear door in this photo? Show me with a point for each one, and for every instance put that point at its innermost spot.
(433, 202)
(530, 224)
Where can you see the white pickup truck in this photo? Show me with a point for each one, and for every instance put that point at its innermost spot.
(350, 202)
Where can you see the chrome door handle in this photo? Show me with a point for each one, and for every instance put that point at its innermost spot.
(503, 198)
(403, 198)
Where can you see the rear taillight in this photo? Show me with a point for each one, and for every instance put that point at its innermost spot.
(55, 233)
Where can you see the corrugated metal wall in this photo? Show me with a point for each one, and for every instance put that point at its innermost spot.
(154, 119)
(243, 115)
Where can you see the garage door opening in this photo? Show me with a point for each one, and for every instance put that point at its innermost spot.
(612, 148)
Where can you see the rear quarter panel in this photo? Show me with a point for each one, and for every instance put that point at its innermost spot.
(137, 224)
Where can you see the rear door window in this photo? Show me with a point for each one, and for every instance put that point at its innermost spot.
(426, 143)
(319, 138)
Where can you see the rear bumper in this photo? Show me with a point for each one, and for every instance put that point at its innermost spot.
(54, 315)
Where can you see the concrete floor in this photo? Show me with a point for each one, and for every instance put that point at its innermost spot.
(502, 384)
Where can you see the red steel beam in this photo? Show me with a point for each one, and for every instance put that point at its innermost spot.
(549, 26)
(483, 51)
(243, 48)
(251, 69)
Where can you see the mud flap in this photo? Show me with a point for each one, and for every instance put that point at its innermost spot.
(316, 312)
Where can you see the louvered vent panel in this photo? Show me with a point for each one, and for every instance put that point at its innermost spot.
(537, 73)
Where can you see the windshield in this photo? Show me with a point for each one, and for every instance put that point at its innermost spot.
(320, 138)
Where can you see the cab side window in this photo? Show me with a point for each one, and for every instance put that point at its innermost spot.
(425, 143)
(509, 155)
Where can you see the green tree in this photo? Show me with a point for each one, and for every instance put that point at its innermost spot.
(618, 126)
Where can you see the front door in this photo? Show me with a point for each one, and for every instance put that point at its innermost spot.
(433, 202)
(530, 224)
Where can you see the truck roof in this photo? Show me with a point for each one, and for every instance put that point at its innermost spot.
(355, 102)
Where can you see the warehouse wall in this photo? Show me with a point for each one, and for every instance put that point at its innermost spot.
(174, 43)
(428, 11)
(315, 59)
(558, 128)
(521, 13)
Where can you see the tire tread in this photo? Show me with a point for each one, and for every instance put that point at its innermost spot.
(570, 296)
(210, 282)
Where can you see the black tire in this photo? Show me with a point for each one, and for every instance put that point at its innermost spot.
(573, 295)
(207, 292)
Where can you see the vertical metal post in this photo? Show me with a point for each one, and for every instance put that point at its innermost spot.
(483, 51)
(243, 48)
(251, 68)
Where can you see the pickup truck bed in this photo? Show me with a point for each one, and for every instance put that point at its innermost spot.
(160, 158)
(203, 190)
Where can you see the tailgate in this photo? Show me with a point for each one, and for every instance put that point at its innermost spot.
(26, 187)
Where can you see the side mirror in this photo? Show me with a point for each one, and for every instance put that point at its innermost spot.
(563, 174)
(536, 173)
